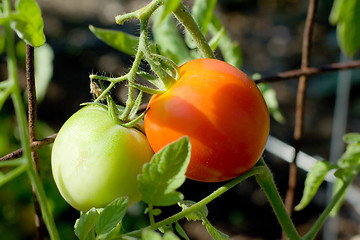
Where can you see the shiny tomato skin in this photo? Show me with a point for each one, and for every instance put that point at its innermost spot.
(95, 160)
(221, 110)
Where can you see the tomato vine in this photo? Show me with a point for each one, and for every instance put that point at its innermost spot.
(166, 172)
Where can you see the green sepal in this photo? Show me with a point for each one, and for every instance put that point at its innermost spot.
(165, 77)
(135, 121)
(136, 106)
(146, 89)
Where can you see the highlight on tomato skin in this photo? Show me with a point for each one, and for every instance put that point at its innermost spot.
(221, 110)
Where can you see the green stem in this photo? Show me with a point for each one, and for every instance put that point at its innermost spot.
(130, 101)
(199, 205)
(109, 79)
(13, 173)
(134, 68)
(12, 163)
(101, 96)
(23, 130)
(184, 16)
(151, 215)
(148, 10)
(266, 182)
(320, 221)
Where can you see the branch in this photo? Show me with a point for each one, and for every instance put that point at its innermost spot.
(309, 71)
(300, 105)
(33, 146)
(32, 118)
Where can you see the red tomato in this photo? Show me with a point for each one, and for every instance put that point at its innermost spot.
(221, 110)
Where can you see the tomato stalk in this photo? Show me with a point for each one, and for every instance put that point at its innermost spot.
(184, 16)
(266, 182)
(22, 121)
(257, 170)
(131, 78)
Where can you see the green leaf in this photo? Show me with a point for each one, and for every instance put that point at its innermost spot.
(169, 6)
(345, 15)
(2, 42)
(336, 11)
(5, 92)
(84, 226)
(168, 39)
(28, 22)
(196, 215)
(202, 11)
(269, 95)
(181, 231)
(337, 185)
(230, 49)
(150, 235)
(351, 157)
(350, 138)
(214, 42)
(121, 41)
(111, 216)
(165, 173)
(44, 57)
(166, 228)
(313, 181)
(170, 236)
(216, 234)
(201, 215)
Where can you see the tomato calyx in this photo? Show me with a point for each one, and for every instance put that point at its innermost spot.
(118, 114)
(165, 69)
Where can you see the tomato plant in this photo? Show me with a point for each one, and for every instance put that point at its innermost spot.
(223, 113)
(206, 121)
(95, 160)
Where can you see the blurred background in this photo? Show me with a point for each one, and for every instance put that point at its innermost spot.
(269, 33)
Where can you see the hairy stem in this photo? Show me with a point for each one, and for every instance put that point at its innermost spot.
(184, 16)
(266, 182)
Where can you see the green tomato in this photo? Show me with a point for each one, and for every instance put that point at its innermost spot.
(95, 160)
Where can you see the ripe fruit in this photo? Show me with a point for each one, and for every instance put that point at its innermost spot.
(221, 110)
